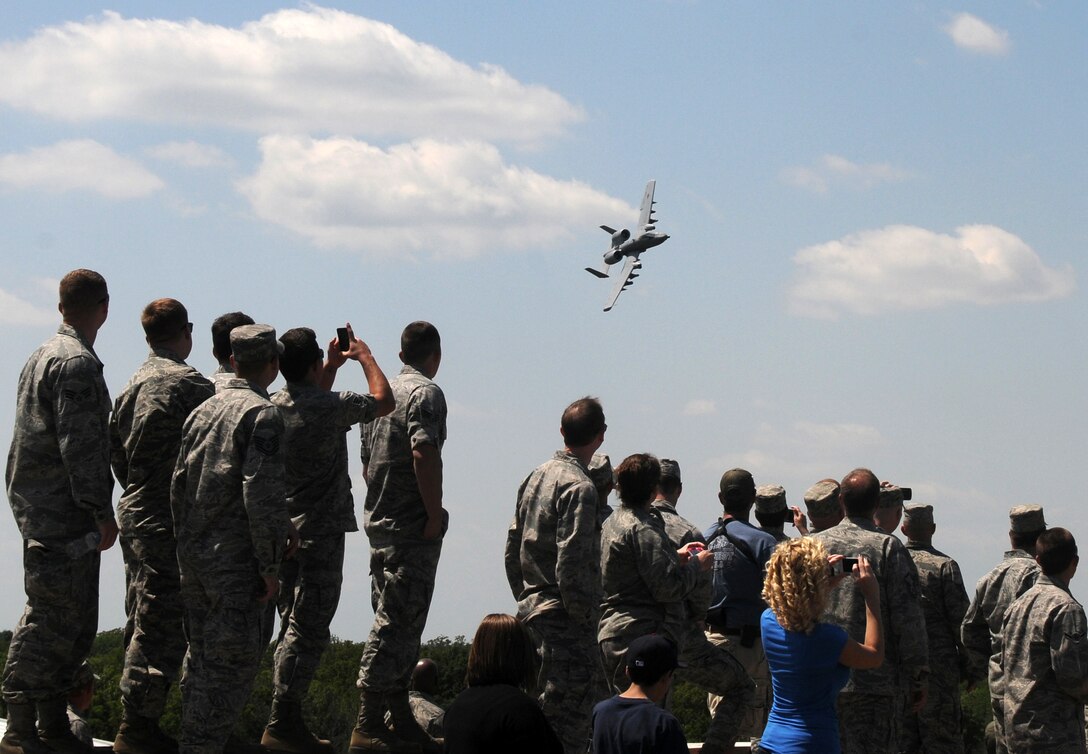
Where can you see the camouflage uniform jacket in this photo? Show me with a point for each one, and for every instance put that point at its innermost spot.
(221, 376)
(906, 650)
(643, 582)
(981, 630)
(944, 603)
(228, 495)
(1044, 660)
(393, 503)
(145, 434)
(681, 532)
(58, 472)
(553, 547)
(316, 423)
(779, 535)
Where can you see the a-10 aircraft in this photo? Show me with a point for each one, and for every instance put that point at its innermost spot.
(623, 245)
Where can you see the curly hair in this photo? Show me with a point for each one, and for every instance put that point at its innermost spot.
(798, 583)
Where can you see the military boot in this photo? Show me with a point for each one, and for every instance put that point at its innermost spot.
(287, 731)
(370, 733)
(55, 731)
(406, 726)
(21, 736)
(142, 735)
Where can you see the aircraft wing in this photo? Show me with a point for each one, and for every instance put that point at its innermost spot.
(646, 213)
(630, 272)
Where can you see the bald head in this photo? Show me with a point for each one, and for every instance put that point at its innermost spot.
(860, 493)
(425, 676)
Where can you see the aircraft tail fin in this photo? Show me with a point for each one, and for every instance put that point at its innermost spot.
(610, 231)
(598, 273)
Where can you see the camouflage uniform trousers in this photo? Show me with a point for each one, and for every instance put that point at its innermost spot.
(57, 628)
(754, 662)
(402, 572)
(938, 728)
(868, 722)
(154, 630)
(570, 680)
(228, 632)
(719, 673)
(309, 594)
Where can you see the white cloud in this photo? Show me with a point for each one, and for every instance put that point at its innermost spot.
(447, 199)
(78, 165)
(190, 154)
(973, 34)
(700, 407)
(292, 71)
(15, 311)
(979, 264)
(834, 169)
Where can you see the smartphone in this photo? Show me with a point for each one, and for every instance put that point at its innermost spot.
(846, 565)
(908, 493)
(342, 339)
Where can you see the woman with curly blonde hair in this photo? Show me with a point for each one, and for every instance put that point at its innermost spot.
(810, 661)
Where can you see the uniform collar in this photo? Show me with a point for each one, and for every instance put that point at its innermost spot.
(71, 332)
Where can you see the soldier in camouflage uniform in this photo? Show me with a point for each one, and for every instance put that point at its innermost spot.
(59, 486)
(706, 665)
(552, 559)
(229, 505)
(981, 630)
(771, 510)
(421, 696)
(145, 434)
(822, 504)
(889, 512)
(938, 728)
(221, 329)
(316, 422)
(1044, 656)
(404, 519)
(869, 713)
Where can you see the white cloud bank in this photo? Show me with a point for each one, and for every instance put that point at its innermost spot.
(78, 165)
(448, 199)
(973, 34)
(15, 311)
(905, 267)
(833, 168)
(311, 70)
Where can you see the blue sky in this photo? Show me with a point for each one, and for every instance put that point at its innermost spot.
(876, 215)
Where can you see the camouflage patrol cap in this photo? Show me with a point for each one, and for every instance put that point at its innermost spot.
(85, 676)
(1026, 518)
(670, 468)
(918, 514)
(822, 498)
(770, 498)
(891, 497)
(600, 471)
(737, 484)
(253, 344)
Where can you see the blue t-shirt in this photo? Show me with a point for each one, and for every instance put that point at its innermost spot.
(633, 726)
(806, 677)
(737, 577)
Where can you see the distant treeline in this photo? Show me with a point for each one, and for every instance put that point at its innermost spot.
(333, 701)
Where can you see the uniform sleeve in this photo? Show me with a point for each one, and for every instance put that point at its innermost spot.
(954, 597)
(1069, 652)
(659, 566)
(577, 563)
(118, 455)
(907, 629)
(354, 408)
(264, 490)
(512, 559)
(426, 417)
(975, 635)
(81, 413)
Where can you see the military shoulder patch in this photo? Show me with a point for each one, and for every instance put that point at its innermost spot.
(266, 444)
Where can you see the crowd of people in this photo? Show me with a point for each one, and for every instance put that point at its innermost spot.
(234, 507)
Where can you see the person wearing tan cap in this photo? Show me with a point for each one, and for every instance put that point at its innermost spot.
(889, 512)
(822, 504)
(771, 510)
(937, 728)
(981, 630)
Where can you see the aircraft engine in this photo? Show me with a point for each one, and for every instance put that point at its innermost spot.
(613, 255)
(620, 236)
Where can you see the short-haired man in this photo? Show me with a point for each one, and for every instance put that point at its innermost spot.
(222, 327)
(59, 486)
(553, 567)
(145, 434)
(938, 726)
(230, 518)
(316, 422)
(889, 511)
(771, 511)
(709, 667)
(404, 519)
(822, 504)
(869, 707)
(634, 720)
(1044, 655)
(741, 552)
(981, 630)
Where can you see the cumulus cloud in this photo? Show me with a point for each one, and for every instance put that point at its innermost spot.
(836, 169)
(292, 71)
(978, 264)
(15, 311)
(700, 407)
(78, 165)
(190, 154)
(454, 199)
(973, 34)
